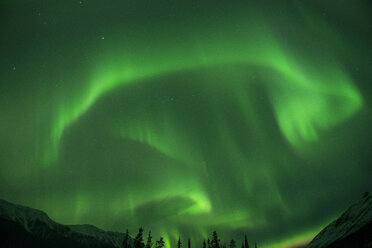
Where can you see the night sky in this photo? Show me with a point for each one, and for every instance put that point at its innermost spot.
(245, 117)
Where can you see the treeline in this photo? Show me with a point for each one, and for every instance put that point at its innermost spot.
(213, 242)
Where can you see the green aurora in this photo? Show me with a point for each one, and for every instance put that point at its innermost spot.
(184, 117)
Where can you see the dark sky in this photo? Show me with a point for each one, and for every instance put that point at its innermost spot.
(245, 117)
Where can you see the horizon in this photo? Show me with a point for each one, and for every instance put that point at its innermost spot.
(187, 117)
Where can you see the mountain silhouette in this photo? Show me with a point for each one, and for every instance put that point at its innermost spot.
(352, 229)
(26, 227)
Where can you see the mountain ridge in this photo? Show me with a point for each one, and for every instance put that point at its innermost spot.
(22, 226)
(352, 229)
(37, 229)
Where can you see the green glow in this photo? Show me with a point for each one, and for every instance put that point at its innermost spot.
(300, 238)
(297, 122)
(187, 118)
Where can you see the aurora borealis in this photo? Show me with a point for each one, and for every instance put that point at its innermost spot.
(186, 117)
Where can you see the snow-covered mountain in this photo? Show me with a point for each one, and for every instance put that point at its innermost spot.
(22, 226)
(352, 229)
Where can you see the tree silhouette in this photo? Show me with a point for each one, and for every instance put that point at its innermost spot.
(246, 241)
(209, 243)
(160, 243)
(138, 241)
(188, 243)
(126, 240)
(149, 240)
(232, 244)
(215, 243)
(204, 244)
(179, 244)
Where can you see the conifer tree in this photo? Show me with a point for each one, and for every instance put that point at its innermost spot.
(246, 242)
(138, 241)
(149, 240)
(179, 244)
(204, 244)
(232, 244)
(126, 240)
(215, 243)
(189, 243)
(209, 243)
(160, 243)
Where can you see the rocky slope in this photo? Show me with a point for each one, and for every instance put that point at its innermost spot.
(26, 227)
(352, 229)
